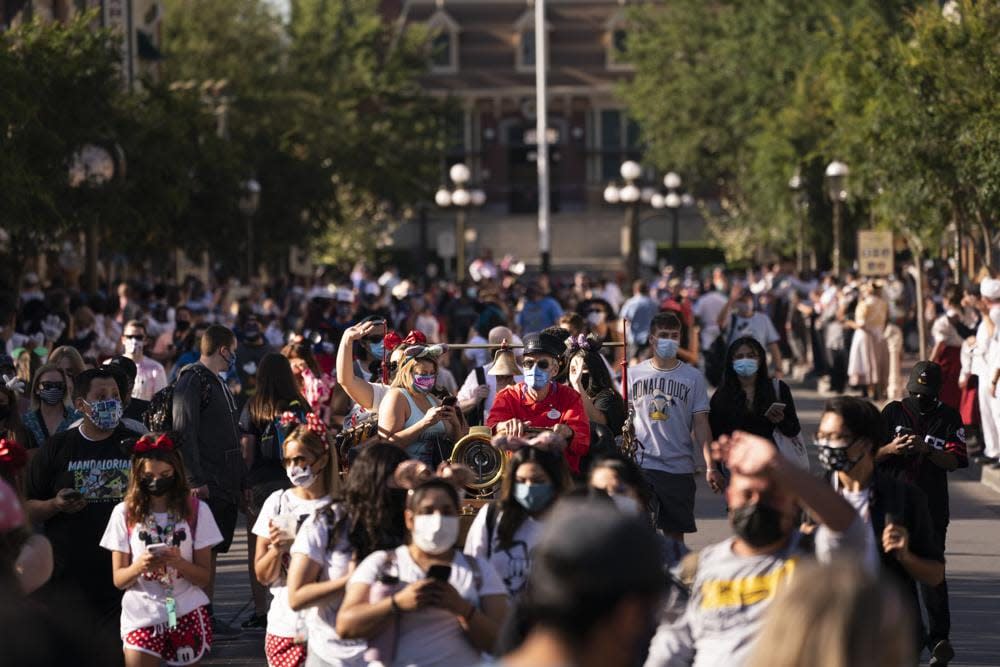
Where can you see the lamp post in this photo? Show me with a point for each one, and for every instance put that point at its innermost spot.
(673, 200)
(249, 203)
(836, 188)
(800, 202)
(630, 195)
(94, 166)
(461, 198)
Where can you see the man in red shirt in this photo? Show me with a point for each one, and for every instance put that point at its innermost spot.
(540, 402)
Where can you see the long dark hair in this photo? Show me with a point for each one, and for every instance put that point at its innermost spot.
(731, 389)
(178, 498)
(600, 378)
(512, 514)
(374, 506)
(628, 472)
(276, 389)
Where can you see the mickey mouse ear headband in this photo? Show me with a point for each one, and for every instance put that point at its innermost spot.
(150, 445)
(431, 352)
(581, 342)
(411, 474)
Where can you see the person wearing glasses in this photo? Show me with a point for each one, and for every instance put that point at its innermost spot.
(150, 375)
(539, 402)
(51, 406)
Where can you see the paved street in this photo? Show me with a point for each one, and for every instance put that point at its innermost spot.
(973, 545)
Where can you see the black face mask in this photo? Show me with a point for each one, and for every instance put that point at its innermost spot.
(158, 487)
(926, 404)
(757, 524)
(180, 326)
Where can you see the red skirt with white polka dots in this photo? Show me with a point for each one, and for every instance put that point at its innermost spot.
(184, 645)
(284, 652)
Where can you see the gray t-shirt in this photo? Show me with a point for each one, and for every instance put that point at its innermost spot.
(730, 595)
(664, 403)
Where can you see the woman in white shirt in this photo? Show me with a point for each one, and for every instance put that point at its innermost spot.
(506, 531)
(311, 466)
(425, 604)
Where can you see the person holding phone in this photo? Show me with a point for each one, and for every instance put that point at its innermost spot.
(161, 538)
(435, 605)
(748, 400)
(311, 467)
(411, 417)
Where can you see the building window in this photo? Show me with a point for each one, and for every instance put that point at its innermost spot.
(524, 38)
(616, 41)
(618, 137)
(444, 43)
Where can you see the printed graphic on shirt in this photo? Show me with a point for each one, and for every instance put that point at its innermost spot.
(518, 565)
(658, 407)
(747, 591)
(100, 480)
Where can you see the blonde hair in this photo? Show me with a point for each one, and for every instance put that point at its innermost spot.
(836, 615)
(404, 376)
(318, 445)
(75, 360)
(42, 370)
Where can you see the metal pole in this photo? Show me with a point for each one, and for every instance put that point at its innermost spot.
(675, 238)
(249, 247)
(632, 224)
(837, 222)
(800, 248)
(541, 129)
(460, 245)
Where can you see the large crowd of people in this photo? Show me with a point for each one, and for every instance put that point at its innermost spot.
(139, 425)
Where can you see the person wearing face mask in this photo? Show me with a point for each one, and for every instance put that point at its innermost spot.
(481, 385)
(210, 433)
(590, 621)
(160, 541)
(929, 443)
(506, 531)
(747, 400)
(734, 581)
(622, 480)
(425, 604)
(669, 403)
(150, 376)
(603, 327)
(72, 485)
(311, 467)
(590, 377)
(249, 354)
(542, 403)
(411, 417)
(739, 318)
(900, 539)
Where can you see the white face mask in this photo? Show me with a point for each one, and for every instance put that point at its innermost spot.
(435, 533)
(301, 476)
(132, 346)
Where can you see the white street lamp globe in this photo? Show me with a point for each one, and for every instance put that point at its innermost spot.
(92, 164)
(836, 180)
(478, 197)
(461, 197)
(687, 200)
(795, 182)
(656, 201)
(460, 173)
(837, 168)
(952, 12)
(631, 170)
(630, 194)
(250, 200)
(612, 195)
(442, 198)
(672, 200)
(672, 180)
(647, 194)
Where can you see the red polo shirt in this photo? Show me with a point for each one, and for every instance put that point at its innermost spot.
(562, 405)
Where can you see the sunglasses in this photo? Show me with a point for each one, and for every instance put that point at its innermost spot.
(543, 364)
(52, 385)
(136, 337)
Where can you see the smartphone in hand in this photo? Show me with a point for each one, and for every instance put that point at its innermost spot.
(439, 573)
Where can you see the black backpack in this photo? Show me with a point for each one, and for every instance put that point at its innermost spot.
(159, 415)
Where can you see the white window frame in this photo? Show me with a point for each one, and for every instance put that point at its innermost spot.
(441, 23)
(618, 21)
(522, 27)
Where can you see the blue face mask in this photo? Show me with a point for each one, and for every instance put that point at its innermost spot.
(230, 372)
(106, 414)
(535, 377)
(745, 367)
(377, 349)
(666, 348)
(533, 497)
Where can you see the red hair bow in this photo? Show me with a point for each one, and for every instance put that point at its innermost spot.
(13, 456)
(315, 424)
(288, 418)
(391, 341)
(415, 338)
(146, 444)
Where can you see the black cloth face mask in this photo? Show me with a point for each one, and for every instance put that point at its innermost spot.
(159, 486)
(757, 524)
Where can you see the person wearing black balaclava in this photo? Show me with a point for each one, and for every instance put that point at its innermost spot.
(928, 442)
(735, 580)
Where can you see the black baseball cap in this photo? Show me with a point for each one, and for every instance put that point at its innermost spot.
(925, 379)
